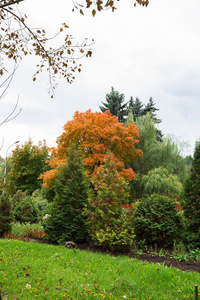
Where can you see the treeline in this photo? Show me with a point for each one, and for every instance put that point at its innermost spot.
(113, 178)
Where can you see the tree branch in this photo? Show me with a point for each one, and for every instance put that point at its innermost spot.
(9, 3)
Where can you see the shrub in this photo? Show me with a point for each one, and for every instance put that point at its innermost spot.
(6, 216)
(66, 221)
(26, 211)
(158, 221)
(110, 224)
(191, 203)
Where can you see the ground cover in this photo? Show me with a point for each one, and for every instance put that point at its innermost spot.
(30, 270)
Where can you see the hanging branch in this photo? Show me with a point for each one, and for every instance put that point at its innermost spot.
(10, 117)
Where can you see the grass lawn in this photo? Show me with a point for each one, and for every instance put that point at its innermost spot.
(31, 270)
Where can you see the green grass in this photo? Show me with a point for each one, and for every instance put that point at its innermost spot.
(39, 271)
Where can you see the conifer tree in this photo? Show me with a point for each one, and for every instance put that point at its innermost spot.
(137, 109)
(115, 104)
(67, 222)
(5, 215)
(191, 204)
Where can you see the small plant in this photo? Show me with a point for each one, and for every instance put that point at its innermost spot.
(25, 229)
(15, 237)
(37, 234)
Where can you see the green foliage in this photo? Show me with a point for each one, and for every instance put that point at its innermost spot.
(24, 229)
(115, 104)
(161, 182)
(168, 155)
(147, 143)
(38, 198)
(26, 211)
(157, 221)
(67, 222)
(150, 108)
(110, 225)
(17, 198)
(27, 163)
(191, 203)
(5, 215)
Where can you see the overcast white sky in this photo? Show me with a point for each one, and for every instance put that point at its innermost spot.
(141, 52)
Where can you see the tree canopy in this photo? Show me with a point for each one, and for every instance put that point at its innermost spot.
(95, 134)
(27, 163)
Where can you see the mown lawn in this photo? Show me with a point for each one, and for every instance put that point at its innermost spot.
(31, 270)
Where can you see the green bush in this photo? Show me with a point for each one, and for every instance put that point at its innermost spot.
(26, 211)
(158, 221)
(5, 215)
(110, 225)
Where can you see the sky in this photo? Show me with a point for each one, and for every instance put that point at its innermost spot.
(140, 51)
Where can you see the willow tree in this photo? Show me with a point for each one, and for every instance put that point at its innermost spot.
(160, 181)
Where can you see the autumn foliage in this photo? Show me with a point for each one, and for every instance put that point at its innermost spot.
(95, 134)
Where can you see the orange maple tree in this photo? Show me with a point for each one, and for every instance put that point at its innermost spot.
(96, 135)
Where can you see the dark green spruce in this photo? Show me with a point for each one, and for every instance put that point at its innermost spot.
(115, 104)
(67, 222)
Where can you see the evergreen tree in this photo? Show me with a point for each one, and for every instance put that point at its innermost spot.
(191, 204)
(5, 215)
(150, 107)
(137, 109)
(115, 104)
(67, 222)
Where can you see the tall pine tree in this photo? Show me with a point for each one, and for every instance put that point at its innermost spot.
(115, 104)
(67, 222)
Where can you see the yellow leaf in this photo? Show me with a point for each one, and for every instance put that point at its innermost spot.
(94, 12)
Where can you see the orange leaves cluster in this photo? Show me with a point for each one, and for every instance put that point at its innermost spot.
(96, 134)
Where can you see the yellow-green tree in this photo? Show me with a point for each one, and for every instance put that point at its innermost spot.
(159, 181)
